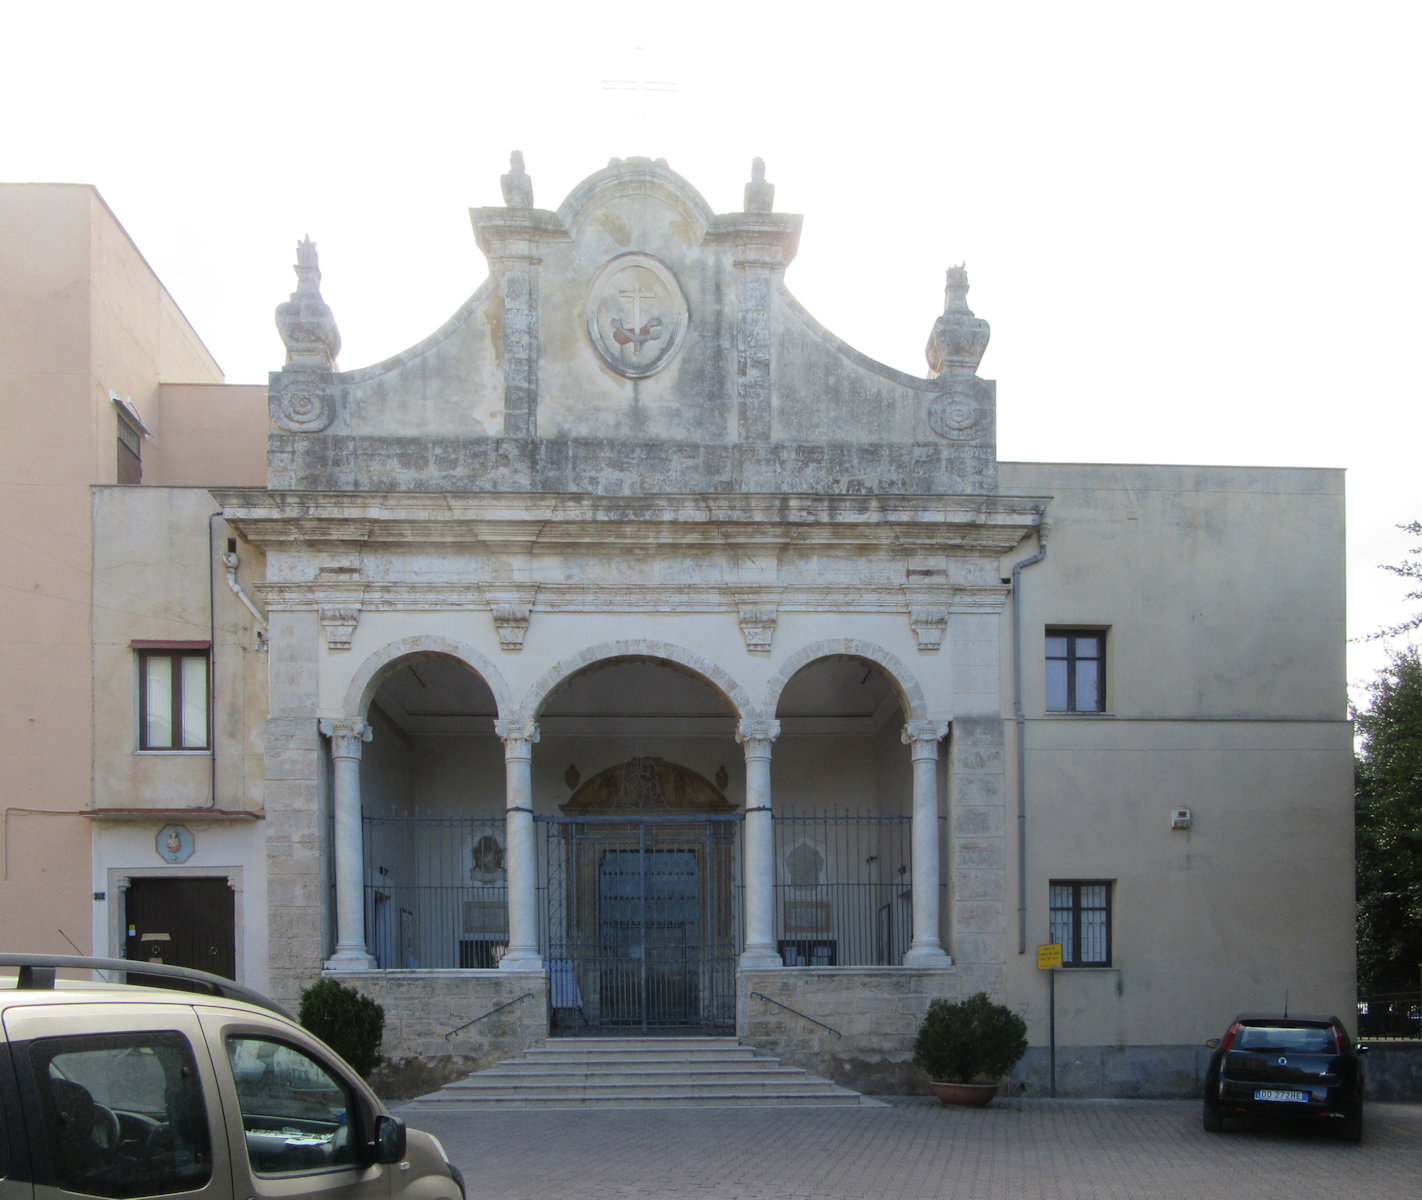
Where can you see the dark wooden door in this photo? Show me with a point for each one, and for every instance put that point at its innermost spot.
(187, 922)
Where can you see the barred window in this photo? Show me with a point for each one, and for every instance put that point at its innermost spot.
(1081, 922)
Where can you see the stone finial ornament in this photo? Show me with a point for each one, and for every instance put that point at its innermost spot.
(760, 196)
(959, 339)
(305, 323)
(518, 187)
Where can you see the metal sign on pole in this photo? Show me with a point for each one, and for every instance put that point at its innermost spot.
(1049, 958)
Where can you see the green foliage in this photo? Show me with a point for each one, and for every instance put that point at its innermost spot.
(1411, 568)
(962, 1041)
(1388, 814)
(351, 1023)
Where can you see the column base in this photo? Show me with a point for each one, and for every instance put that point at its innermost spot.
(927, 956)
(350, 958)
(521, 960)
(759, 958)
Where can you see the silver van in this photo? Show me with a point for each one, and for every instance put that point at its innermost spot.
(124, 1090)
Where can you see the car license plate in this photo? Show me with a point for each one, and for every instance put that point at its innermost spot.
(1282, 1095)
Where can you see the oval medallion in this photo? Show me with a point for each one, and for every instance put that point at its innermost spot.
(636, 315)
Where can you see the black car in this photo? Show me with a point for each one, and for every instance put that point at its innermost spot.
(1295, 1067)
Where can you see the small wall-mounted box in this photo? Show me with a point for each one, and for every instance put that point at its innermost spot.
(1179, 818)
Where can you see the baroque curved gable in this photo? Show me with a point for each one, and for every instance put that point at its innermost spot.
(633, 342)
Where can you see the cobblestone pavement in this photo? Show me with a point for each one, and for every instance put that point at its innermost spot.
(913, 1151)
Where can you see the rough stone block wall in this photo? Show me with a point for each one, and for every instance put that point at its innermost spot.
(296, 926)
(429, 1038)
(977, 861)
(875, 1011)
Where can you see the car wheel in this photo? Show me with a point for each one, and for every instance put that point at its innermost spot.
(1214, 1119)
(1352, 1128)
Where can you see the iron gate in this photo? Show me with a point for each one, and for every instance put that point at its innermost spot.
(642, 928)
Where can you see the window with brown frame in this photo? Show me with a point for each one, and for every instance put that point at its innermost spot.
(1076, 670)
(172, 697)
(1080, 921)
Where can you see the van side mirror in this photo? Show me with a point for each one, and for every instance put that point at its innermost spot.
(389, 1139)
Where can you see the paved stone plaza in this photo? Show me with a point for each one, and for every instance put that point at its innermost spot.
(916, 1150)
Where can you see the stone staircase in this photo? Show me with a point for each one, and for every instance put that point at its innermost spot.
(593, 1072)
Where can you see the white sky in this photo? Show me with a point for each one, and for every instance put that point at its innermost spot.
(1194, 228)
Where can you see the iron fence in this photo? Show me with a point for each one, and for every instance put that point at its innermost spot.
(1390, 1015)
(639, 890)
(435, 891)
(842, 888)
(641, 920)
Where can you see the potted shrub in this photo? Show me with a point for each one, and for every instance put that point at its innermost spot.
(967, 1046)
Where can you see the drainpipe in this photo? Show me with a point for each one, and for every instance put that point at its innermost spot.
(1021, 722)
(211, 667)
(230, 562)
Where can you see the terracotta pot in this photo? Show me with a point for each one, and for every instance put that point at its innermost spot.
(965, 1095)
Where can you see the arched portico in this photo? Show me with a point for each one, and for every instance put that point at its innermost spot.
(413, 714)
(829, 696)
(697, 665)
(366, 679)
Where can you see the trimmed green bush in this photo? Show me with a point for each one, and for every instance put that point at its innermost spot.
(969, 1040)
(348, 1021)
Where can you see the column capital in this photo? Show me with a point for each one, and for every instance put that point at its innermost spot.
(517, 733)
(924, 737)
(757, 735)
(346, 736)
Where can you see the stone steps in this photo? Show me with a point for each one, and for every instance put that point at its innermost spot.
(636, 1072)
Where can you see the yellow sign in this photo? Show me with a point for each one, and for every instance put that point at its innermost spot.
(1049, 957)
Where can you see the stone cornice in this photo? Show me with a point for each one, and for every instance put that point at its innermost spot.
(727, 597)
(987, 525)
(756, 610)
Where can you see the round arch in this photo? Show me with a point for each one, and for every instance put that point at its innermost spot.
(910, 694)
(700, 666)
(369, 675)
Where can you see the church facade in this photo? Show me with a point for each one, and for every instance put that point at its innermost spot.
(634, 656)
(656, 653)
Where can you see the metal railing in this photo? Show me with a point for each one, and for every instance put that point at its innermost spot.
(842, 888)
(1393, 1015)
(795, 1012)
(436, 894)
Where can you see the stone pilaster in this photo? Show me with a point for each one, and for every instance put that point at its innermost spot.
(764, 243)
(512, 238)
(978, 840)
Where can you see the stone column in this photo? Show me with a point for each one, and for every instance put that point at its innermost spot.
(926, 949)
(519, 737)
(757, 737)
(346, 738)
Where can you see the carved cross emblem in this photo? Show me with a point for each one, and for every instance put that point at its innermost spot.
(638, 334)
(636, 315)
